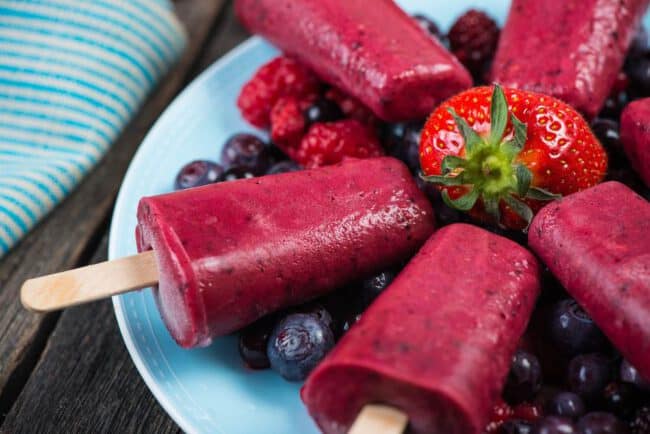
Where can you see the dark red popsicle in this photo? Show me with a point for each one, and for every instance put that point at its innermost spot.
(597, 243)
(569, 49)
(231, 252)
(437, 344)
(635, 135)
(370, 49)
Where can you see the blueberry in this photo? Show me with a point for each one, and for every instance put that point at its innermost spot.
(638, 72)
(375, 285)
(588, 374)
(197, 173)
(554, 425)
(515, 426)
(640, 45)
(444, 214)
(573, 331)
(524, 379)
(247, 150)
(427, 24)
(640, 423)
(323, 110)
(349, 320)
(620, 399)
(566, 404)
(630, 374)
(253, 341)
(607, 131)
(237, 172)
(317, 310)
(403, 142)
(284, 167)
(297, 344)
(601, 423)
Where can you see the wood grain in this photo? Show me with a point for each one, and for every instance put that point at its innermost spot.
(86, 382)
(65, 238)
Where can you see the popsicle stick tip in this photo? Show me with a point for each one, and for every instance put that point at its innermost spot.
(90, 283)
(379, 419)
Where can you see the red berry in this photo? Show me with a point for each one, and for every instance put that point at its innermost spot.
(501, 412)
(527, 411)
(280, 77)
(331, 142)
(351, 107)
(287, 124)
(473, 39)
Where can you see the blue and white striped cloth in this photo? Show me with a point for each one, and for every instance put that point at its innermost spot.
(72, 75)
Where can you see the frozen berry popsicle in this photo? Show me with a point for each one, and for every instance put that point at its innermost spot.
(635, 135)
(437, 344)
(372, 50)
(597, 243)
(569, 49)
(232, 252)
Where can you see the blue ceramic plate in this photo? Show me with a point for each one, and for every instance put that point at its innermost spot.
(209, 390)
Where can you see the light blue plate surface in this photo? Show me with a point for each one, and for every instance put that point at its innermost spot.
(209, 390)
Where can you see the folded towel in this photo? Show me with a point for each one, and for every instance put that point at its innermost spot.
(72, 75)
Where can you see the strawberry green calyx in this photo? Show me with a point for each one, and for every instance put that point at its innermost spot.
(490, 170)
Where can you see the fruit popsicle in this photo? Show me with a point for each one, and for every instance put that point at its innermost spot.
(374, 52)
(597, 243)
(635, 135)
(437, 343)
(231, 252)
(572, 50)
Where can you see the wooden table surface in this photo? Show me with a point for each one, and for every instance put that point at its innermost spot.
(70, 372)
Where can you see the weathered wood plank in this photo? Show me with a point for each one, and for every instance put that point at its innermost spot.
(64, 238)
(86, 382)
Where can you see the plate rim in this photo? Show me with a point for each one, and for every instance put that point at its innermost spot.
(184, 422)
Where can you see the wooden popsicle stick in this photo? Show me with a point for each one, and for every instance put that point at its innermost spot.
(379, 419)
(94, 282)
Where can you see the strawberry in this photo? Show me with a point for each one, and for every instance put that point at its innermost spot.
(330, 142)
(281, 77)
(501, 154)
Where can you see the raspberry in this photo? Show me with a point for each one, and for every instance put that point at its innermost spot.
(527, 412)
(473, 39)
(331, 142)
(288, 123)
(351, 107)
(280, 77)
(501, 412)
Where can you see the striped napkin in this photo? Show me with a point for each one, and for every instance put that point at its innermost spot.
(72, 75)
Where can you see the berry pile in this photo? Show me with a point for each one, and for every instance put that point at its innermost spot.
(566, 377)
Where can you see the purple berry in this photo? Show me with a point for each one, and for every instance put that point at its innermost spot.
(640, 423)
(253, 341)
(375, 285)
(524, 379)
(515, 426)
(403, 142)
(284, 167)
(573, 331)
(197, 173)
(323, 110)
(589, 374)
(601, 423)
(298, 343)
(247, 150)
(630, 374)
(554, 425)
(566, 404)
(237, 172)
(431, 27)
(620, 399)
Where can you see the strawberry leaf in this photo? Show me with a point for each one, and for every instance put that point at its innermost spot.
(498, 114)
(537, 193)
(492, 208)
(471, 138)
(524, 178)
(463, 203)
(451, 162)
(520, 208)
(448, 181)
(510, 149)
(521, 131)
